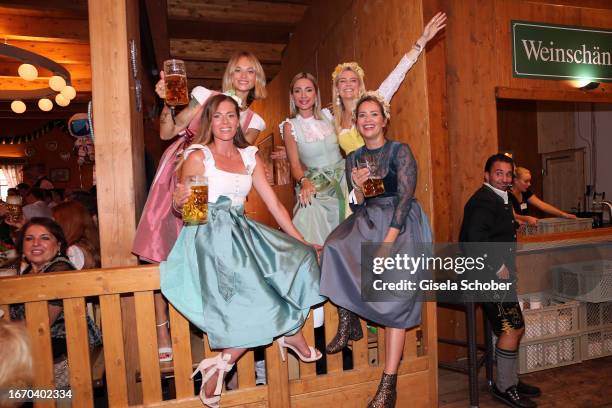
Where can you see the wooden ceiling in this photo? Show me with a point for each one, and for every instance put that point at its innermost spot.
(207, 32)
(204, 33)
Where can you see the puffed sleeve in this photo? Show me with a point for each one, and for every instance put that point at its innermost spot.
(406, 166)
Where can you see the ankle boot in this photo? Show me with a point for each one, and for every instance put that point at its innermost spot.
(356, 332)
(345, 324)
(386, 394)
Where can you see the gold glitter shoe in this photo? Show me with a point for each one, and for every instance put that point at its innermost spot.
(386, 394)
(347, 330)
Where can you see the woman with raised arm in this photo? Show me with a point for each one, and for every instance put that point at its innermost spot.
(239, 281)
(393, 217)
(159, 225)
(348, 86)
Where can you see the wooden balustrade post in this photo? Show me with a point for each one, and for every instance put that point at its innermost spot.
(118, 124)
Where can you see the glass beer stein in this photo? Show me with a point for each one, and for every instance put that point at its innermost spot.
(176, 83)
(13, 207)
(195, 210)
(374, 185)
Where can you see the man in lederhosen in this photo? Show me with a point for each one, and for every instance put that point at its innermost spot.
(488, 218)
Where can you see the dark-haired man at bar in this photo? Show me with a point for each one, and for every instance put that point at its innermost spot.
(488, 218)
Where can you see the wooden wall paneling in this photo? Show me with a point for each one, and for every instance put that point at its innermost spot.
(214, 30)
(62, 53)
(157, 14)
(16, 83)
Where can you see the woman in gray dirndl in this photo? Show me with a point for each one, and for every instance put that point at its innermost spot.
(392, 217)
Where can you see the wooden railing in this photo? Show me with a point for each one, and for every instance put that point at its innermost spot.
(417, 382)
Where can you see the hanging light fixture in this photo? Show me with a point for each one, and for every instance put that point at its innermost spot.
(68, 92)
(61, 100)
(57, 83)
(18, 106)
(28, 72)
(45, 104)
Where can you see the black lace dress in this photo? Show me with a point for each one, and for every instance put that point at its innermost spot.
(342, 254)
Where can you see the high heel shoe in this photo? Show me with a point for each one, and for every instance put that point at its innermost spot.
(220, 364)
(386, 394)
(283, 345)
(349, 328)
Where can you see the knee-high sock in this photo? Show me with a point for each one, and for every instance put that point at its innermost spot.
(506, 368)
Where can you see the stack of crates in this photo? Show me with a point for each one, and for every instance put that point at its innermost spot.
(590, 283)
(552, 334)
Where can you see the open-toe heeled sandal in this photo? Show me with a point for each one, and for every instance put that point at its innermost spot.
(283, 345)
(207, 368)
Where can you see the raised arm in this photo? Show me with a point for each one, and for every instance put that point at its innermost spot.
(391, 84)
(168, 128)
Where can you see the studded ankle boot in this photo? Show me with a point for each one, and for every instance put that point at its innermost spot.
(386, 394)
(356, 332)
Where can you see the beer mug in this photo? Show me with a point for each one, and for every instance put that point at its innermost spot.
(13, 207)
(195, 210)
(374, 185)
(176, 82)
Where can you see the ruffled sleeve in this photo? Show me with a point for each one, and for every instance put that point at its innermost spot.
(248, 157)
(282, 129)
(406, 166)
(392, 83)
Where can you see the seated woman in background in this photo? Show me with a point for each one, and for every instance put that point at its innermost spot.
(43, 246)
(522, 196)
(81, 234)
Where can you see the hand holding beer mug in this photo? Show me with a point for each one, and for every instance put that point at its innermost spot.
(195, 210)
(175, 80)
(374, 185)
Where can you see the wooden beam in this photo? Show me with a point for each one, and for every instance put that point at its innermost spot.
(10, 83)
(572, 95)
(44, 29)
(215, 84)
(236, 11)
(222, 50)
(62, 53)
(44, 7)
(215, 70)
(214, 30)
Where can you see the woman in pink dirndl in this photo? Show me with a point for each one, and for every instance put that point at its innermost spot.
(160, 224)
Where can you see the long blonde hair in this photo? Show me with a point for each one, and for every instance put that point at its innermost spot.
(16, 369)
(259, 92)
(521, 172)
(337, 104)
(316, 109)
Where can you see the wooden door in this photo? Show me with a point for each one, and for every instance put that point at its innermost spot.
(563, 178)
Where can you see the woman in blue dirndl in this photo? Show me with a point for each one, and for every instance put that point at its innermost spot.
(241, 282)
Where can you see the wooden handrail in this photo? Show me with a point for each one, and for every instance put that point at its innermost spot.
(306, 388)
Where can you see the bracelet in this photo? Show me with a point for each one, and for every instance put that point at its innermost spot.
(301, 180)
(418, 47)
(357, 188)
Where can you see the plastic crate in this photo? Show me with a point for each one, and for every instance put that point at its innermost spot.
(589, 281)
(595, 344)
(551, 353)
(555, 317)
(556, 225)
(592, 316)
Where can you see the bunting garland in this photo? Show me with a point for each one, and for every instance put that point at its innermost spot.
(36, 134)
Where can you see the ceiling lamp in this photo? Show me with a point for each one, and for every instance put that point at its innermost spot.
(57, 83)
(28, 72)
(61, 100)
(18, 106)
(68, 92)
(45, 104)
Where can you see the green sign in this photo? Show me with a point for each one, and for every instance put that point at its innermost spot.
(546, 51)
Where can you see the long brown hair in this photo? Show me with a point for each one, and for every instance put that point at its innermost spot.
(80, 230)
(205, 135)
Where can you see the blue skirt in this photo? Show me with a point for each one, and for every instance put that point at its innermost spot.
(241, 282)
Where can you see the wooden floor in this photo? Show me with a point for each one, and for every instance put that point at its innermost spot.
(588, 384)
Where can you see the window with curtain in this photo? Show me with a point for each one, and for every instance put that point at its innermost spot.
(10, 176)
